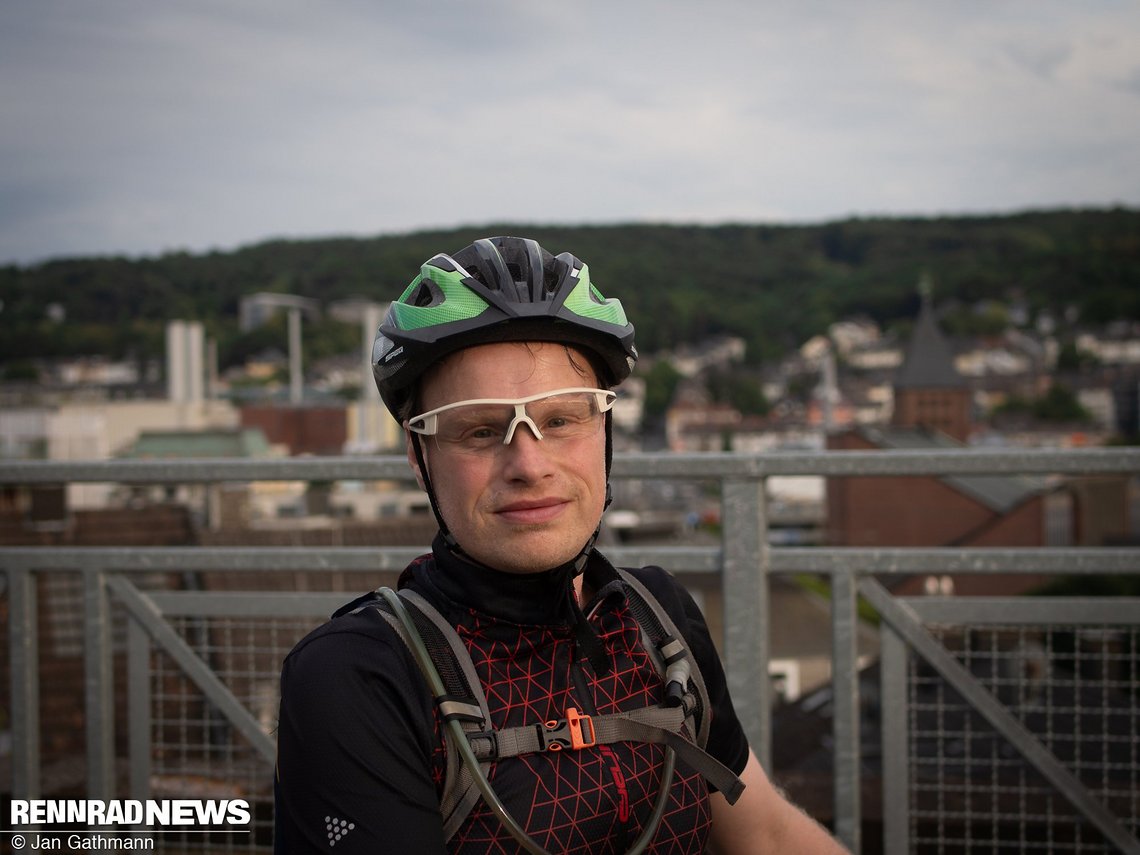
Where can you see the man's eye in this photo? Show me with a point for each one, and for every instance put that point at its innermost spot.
(568, 417)
(478, 433)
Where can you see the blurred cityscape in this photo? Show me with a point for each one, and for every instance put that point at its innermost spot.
(854, 387)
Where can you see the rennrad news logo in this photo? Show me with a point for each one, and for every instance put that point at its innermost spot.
(149, 813)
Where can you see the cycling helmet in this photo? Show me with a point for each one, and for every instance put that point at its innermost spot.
(497, 289)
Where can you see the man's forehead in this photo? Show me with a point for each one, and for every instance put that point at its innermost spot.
(456, 368)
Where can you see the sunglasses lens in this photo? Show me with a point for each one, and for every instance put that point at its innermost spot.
(483, 428)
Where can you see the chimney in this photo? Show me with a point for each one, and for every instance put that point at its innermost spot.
(185, 362)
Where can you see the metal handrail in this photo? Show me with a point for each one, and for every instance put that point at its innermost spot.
(712, 465)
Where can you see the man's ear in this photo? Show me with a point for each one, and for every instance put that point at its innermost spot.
(415, 464)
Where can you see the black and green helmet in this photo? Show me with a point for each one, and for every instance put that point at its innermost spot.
(497, 289)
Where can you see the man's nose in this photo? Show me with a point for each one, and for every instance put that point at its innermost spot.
(517, 427)
(525, 455)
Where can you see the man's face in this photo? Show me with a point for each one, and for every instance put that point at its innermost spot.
(530, 505)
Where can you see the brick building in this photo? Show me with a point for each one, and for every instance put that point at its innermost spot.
(963, 510)
(304, 429)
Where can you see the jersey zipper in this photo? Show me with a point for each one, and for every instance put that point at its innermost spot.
(609, 758)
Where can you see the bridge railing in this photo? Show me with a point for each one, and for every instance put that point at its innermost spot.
(743, 560)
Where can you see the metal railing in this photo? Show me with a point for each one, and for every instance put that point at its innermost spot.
(743, 559)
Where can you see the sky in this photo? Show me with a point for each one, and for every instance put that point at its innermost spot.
(134, 127)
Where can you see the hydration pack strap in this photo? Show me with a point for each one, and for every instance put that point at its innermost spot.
(658, 724)
(665, 643)
(461, 701)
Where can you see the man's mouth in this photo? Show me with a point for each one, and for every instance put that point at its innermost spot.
(533, 511)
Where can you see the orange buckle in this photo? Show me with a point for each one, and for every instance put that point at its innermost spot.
(576, 719)
(568, 732)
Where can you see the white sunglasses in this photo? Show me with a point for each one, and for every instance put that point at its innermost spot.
(484, 425)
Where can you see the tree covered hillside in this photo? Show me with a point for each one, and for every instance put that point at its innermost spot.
(773, 285)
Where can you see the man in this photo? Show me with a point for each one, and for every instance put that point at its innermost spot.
(498, 361)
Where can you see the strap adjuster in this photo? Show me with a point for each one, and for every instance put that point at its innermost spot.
(576, 731)
(484, 745)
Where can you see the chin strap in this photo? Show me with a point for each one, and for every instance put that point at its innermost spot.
(417, 448)
(609, 464)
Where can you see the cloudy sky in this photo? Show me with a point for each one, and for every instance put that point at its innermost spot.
(139, 127)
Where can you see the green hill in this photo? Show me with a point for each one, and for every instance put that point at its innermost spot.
(774, 285)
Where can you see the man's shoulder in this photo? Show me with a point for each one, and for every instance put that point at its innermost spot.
(353, 624)
(358, 619)
(662, 584)
(673, 597)
(652, 576)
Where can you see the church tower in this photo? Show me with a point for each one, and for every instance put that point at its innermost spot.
(929, 391)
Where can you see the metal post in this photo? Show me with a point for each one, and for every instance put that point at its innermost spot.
(745, 587)
(138, 708)
(296, 377)
(845, 702)
(23, 641)
(99, 694)
(895, 722)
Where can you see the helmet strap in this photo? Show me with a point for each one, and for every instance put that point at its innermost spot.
(422, 462)
(609, 464)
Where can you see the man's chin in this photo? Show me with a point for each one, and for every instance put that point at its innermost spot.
(531, 553)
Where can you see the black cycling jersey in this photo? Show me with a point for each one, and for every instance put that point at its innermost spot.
(360, 748)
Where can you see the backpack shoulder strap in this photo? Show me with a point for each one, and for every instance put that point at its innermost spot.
(667, 645)
(463, 698)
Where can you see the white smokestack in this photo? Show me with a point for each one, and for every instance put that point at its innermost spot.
(185, 362)
(368, 404)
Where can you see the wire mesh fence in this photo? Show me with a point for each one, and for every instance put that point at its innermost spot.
(196, 752)
(1074, 688)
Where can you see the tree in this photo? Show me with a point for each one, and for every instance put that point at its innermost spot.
(1059, 404)
(660, 383)
(741, 391)
(775, 286)
(1070, 358)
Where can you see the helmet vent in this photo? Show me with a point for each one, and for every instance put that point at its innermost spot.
(426, 295)
(550, 280)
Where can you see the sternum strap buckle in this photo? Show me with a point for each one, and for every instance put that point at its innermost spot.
(575, 731)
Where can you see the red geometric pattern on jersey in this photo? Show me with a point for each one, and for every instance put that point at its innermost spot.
(573, 801)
